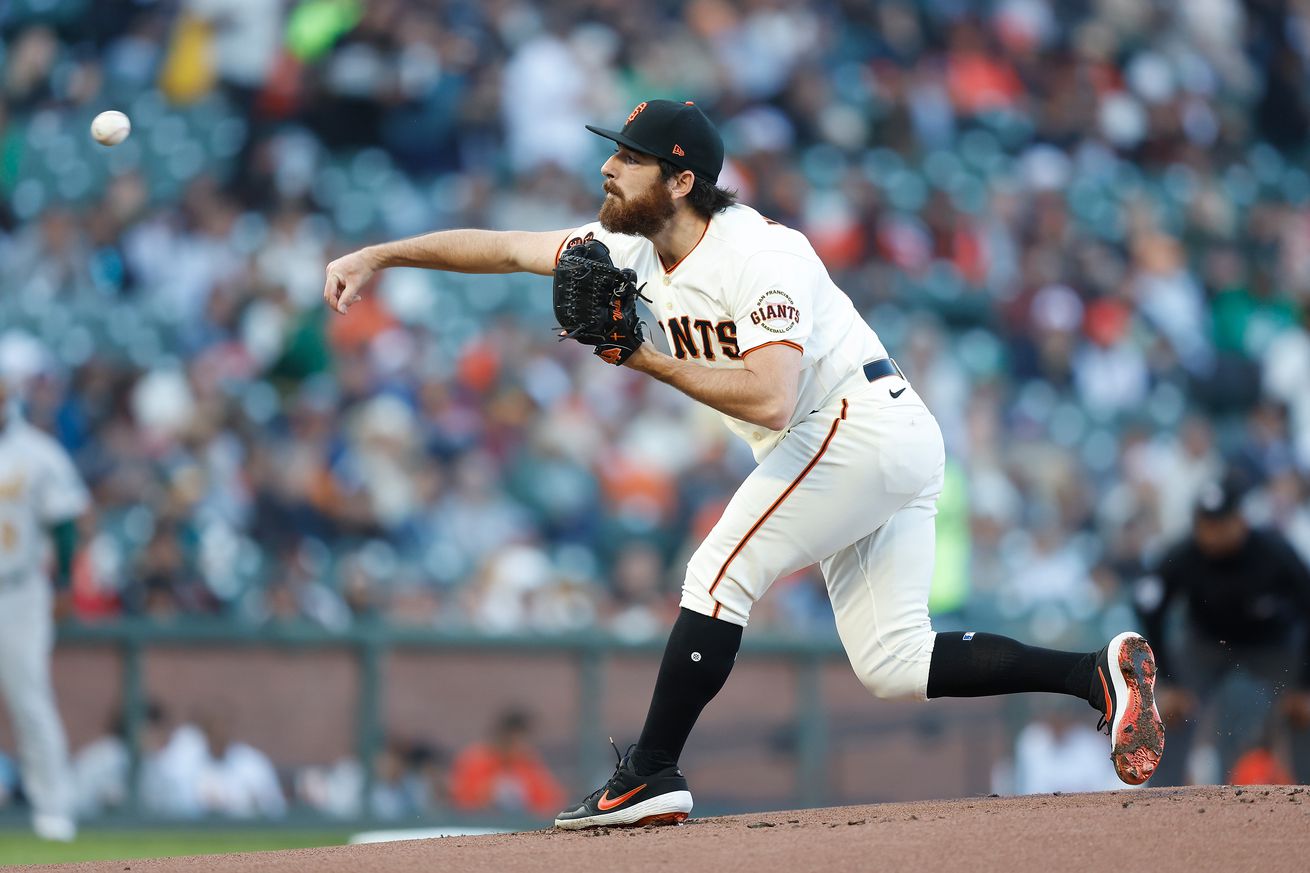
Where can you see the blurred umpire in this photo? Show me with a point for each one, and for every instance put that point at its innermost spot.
(1242, 641)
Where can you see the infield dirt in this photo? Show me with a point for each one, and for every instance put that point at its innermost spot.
(1158, 830)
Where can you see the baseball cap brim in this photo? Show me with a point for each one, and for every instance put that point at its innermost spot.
(621, 139)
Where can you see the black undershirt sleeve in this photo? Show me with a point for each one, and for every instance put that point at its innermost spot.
(1298, 582)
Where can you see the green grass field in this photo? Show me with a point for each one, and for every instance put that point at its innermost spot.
(20, 847)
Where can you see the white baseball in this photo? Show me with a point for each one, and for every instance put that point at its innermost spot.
(111, 127)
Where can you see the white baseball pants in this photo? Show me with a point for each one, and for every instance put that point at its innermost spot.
(26, 642)
(853, 487)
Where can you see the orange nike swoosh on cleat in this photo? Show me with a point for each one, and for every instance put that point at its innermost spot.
(605, 803)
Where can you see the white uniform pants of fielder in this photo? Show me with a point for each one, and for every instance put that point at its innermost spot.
(853, 487)
(26, 643)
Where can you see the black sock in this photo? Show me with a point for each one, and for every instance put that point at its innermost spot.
(980, 665)
(697, 660)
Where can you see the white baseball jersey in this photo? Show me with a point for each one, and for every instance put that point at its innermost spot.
(748, 283)
(39, 487)
(853, 486)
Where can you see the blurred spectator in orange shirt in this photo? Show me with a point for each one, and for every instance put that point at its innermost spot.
(505, 773)
(1260, 767)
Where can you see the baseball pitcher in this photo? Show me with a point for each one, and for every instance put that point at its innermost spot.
(40, 494)
(850, 461)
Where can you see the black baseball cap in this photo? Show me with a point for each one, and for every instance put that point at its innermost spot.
(1220, 498)
(680, 133)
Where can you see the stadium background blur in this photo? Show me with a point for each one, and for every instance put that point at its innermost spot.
(1082, 227)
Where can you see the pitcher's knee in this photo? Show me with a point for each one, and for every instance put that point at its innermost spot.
(698, 598)
(898, 670)
(894, 682)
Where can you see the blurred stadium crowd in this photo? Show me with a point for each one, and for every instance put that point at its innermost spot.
(1083, 228)
(195, 768)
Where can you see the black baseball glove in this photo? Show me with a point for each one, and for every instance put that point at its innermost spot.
(596, 302)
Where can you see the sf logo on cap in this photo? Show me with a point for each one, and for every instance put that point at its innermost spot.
(640, 106)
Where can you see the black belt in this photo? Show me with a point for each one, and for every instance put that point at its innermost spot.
(882, 367)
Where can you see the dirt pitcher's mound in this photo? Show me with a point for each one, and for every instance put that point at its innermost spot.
(1161, 830)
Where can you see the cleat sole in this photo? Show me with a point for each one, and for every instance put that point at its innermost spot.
(1137, 732)
(668, 818)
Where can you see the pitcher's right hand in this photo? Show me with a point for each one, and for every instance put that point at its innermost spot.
(346, 278)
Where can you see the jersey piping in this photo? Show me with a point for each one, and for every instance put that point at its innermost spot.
(668, 270)
(797, 346)
(832, 432)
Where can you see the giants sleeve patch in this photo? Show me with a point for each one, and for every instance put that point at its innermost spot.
(776, 312)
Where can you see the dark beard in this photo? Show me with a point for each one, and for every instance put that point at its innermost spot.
(643, 215)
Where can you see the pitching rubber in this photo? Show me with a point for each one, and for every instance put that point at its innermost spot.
(671, 808)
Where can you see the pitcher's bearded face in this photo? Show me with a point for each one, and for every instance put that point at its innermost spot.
(644, 213)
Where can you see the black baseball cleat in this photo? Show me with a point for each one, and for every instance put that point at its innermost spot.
(629, 800)
(1125, 676)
